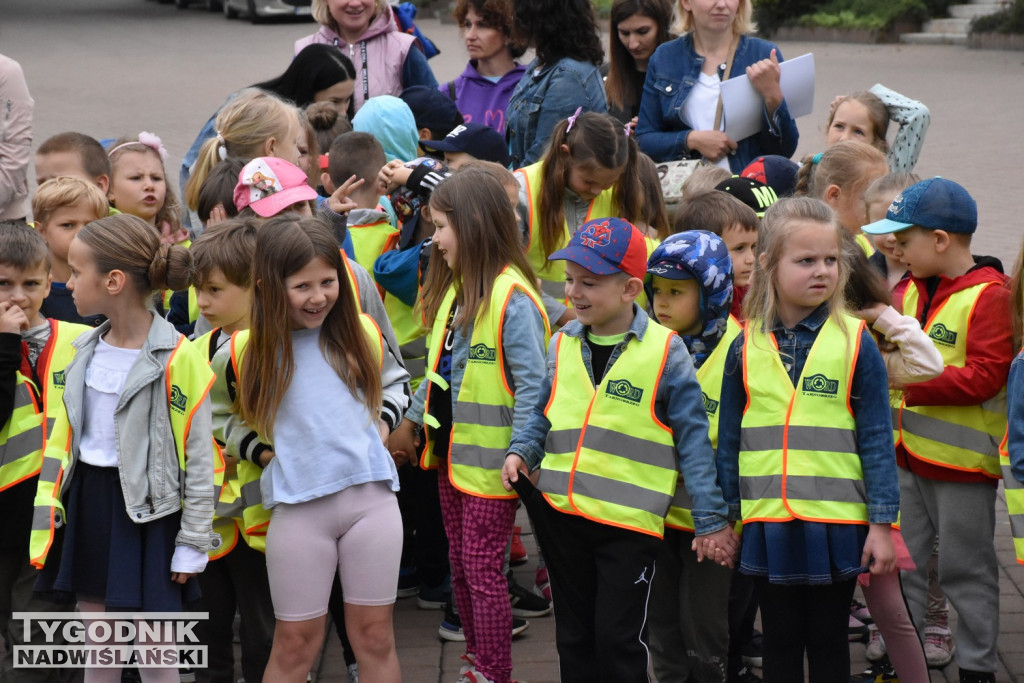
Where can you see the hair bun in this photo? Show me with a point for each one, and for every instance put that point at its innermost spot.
(171, 268)
(322, 115)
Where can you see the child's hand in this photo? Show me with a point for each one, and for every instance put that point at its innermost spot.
(169, 235)
(764, 76)
(722, 546)
(217, 215)
(393, 175)
(712, 144)
(182, 577)
(870, 313)
(339, 201)
(384, 431)
(404, 443)
(266, 457)
(878, 547)
(510, 471)
(12, 318)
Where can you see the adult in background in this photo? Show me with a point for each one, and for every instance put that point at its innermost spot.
(15, 139)
(679, 113)
(482, 91)
(562, 78)
(386, 59)
(638, 27)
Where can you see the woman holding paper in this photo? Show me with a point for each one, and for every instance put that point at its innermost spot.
(680, 112)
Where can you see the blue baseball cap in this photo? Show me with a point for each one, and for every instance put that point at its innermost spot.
(479, 141)
(935, 204)
(606, 246)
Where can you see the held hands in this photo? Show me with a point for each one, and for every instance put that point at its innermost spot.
(712, 144)
(339, 202)
(12, 319)
(393, 175)
(764, 76)
(722, 546)
(404, 443)
(512, 469)
(879, 553)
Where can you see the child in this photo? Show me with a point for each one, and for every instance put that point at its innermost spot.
(33, 354)
(690, 277)
(877, 198)
(655, 224)
(136, 483)
(753, 193)
(736, 223)
(812, 477)
(777, 172)
(390, 120)
(588, 171)
(217, 195)
(330, 484)
(73, 154)
(486, 352)
(386, 59)
(839, 176)
(61, 207)
(865, 116)
(469, 142)
(268, 186)
(360, 155)
(1011, 452)
(328, 123)
(947, 477)
(610, 433)
(435, 113)
(138, 185)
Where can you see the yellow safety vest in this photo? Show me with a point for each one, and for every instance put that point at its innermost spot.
(864, 242)
(36, 407)
(1014, 499)
(608, 458)
(964, 438)
(798, 445)
(370, 241)
(710, 374)
(411, 335)
(482, 418)
(188, 380)
(552, 273)
(193, 303)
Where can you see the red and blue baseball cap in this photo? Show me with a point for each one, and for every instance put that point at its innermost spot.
(935, 204)
(606, 246)
(777, 172)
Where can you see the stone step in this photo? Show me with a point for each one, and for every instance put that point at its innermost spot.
(934, 38)
(971, 11)
(946, 26)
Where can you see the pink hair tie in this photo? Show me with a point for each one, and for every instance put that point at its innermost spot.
(149, 140)
(572, 119)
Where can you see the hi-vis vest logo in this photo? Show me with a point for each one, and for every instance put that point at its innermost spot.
(622, 390)
(940, 334)
(710, 405)
(597, 235)
(179, 400)
(482, 353)
(820, 385)
(58, 378)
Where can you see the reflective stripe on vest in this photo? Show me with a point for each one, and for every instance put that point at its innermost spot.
(798, 445)
(1014, 500)
(964, 438)
(369, 241)
(23, 438)
(608, 458)
(710, 377)
(552, 273)
(482, 419)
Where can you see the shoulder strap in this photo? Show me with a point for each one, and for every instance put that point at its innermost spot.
(451, 90)
(725, 76)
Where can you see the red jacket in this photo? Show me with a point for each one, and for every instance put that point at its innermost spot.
(989, 353)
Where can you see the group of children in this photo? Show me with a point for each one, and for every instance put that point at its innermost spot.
(701, 419)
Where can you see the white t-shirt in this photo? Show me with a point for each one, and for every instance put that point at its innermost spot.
(700, 106)
(104, 380)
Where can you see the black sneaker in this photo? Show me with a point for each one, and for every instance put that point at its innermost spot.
(525, 603)
(451, 625)
(879, 672)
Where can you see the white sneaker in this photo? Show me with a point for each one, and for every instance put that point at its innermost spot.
(353, 673)
(876, 646)
(938, 646)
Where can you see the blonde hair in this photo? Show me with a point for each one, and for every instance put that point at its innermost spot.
(761, 303)
(56, 193)
(243, 127)
(844, 164)
(170, 212)
(683, 21)
(127, 243)
(322, 13)
(888, 186)
(703, 179)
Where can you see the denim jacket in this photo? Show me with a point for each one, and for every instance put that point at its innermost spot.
(522, 341)
(869, 400)
(678, 404)
(543, 99)
(672, 72)
(1015, 417)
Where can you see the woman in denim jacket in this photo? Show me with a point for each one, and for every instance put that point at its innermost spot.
(563, 77)
(684, 76)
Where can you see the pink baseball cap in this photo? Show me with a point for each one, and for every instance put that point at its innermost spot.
(270, 185)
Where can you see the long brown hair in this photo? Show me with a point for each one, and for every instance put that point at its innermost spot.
(285, 245)
(597, 140)
(620, 85)
(482, 218)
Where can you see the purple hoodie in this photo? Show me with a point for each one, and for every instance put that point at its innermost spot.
(481, 100)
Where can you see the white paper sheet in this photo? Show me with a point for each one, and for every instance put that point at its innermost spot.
(742, 107)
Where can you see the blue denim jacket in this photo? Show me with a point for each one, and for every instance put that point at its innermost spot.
(869, 400)
(678, 404)
(1015, 416)
(673, 70)
(542, 100)
(522, 341)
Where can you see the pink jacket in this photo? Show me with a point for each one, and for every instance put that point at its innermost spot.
(386, 50)
(15, 139)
